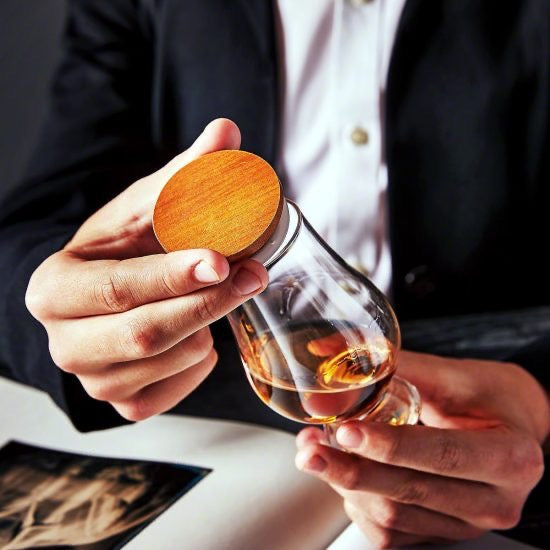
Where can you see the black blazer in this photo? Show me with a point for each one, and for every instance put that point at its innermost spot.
(466, 140)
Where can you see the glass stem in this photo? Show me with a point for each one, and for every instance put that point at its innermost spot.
(400, 405)
(330, 434)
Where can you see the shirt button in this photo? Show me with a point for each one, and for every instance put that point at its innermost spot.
(418, 282)
(359, 136)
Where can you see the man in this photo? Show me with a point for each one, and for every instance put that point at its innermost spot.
(465, 195)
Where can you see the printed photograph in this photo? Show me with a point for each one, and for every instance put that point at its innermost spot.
(53, 499)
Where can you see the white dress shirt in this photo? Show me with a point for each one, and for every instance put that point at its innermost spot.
(334, 58)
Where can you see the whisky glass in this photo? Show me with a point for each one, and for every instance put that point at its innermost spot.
(320, 344)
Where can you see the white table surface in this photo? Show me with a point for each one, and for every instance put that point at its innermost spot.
(254, 498)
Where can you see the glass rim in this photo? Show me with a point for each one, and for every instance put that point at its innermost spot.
(285, 248)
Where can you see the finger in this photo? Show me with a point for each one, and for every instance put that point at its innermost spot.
(328, 346)
(80, 346)
(379, 536)
(308, 436)
(120, 381)
(406, 518)
(166, 394)
(495, 455)
(475, 503)
(112, 286)
(219, 134)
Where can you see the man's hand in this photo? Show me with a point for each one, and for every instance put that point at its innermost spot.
(128, 320)
(469, 469)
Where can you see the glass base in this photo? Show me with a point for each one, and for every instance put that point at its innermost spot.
(400, 405)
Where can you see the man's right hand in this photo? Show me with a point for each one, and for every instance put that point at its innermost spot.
(128, 320)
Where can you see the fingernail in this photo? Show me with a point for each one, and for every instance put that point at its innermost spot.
(315, 464)
(205, 273)
(246, 282)
(348, 436)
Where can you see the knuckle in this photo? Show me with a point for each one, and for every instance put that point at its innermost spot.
(100, 391)
(356, 515)
(350, 510)
(381, 537)
(527, 460)
(200, 345)
(349, 478)
(168, 283)
(536, 465)
(204, 311)
(448, 455)
(387, 514)
(134, 409)
(114, 294)
(213, 356)
(66, 361)
(384, 538)
(38, 294)
(209, 362)
(413, 491)
(501, 518)
(35, 301)
(140, 338)
(498, 512)
(510, 518)
(522, 465)
(205, 339)
(389, 445)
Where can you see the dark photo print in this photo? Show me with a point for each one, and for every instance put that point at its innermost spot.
(55, 499)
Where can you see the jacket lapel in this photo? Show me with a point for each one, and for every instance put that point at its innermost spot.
(260, 122)
(216, 59)
(418, 23)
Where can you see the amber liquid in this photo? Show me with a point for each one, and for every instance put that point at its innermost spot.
(318, 373)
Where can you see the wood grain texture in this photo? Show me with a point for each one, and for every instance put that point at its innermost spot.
(228, 201)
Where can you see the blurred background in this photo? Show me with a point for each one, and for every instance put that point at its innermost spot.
(30, 32)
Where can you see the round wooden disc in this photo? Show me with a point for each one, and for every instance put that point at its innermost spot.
(228, 201)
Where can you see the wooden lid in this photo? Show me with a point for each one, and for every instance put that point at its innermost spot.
(228, 201)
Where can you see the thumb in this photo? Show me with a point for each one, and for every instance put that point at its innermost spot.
(219, 134)
(134, 206)
(455, 393)
(441, 381)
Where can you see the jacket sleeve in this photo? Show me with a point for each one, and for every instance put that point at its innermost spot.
(95, 141)
(519, 336)
(535, 358)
